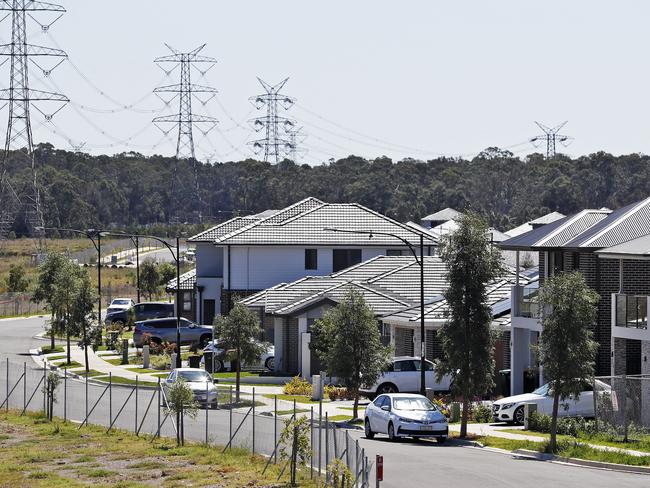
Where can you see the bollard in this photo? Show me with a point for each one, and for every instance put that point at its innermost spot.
(145, 356)
(173, 361)
(379, 470)
(125, 351)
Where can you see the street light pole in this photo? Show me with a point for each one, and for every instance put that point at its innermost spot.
(136, 242)
(420, 261)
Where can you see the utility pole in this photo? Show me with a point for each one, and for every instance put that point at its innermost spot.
(274, 145)
(551, 136)
(185, 119)
(20, 98)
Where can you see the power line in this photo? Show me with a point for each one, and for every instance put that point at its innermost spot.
(273, 145)
(551, 136)
(21, 98)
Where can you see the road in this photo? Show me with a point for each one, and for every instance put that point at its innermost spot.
(406, 463)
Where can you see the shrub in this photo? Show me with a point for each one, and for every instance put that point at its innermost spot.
(297, 386)
(338, 393)
(442, 406)
(161, 361)
(540, 422)
(482, 413)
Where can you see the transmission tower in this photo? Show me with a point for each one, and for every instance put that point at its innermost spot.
(296, 138)
(551, 136)
(20, 98)
(185, 119)
(274, 145)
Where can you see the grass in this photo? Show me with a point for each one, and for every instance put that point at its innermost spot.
(64, 365)
(50, 350)
(58, 455)
(91, 373)
(57, 358)
(290, 412)
(290, 398)
(642, 444)
(134, 360)
(233, 375)
(145, 371)
(118, 380)
(343, 418)
(568, 448)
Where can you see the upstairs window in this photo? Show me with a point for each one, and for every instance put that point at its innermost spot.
(393, 252)
(344, 258)
(311, 259)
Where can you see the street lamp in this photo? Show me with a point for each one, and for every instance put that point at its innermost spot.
(420, 261)
(177, 258)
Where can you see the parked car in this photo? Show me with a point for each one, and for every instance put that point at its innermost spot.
(203, 386)
(405, 415)
(164, 330)
(119, 304)
(403, 375)
(143, 311)
(511, 409)
(266, 360)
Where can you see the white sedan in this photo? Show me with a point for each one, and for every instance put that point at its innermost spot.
(511, 409)
(405, 415)
(404, 375)
(119, 304)
(267, 359)
(200, 382)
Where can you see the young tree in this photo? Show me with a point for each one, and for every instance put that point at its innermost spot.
(566, 350)
(347, 340)
(167, 272)
(16, 281)
(295, 444)
(82, 314)
(180, 402)
(240, 332)
(44, 292)
(64, 295)
(467, 340)
(149, 278)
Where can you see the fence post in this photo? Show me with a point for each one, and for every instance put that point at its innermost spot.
(65, 395)
(327, 440)
(207, 407)
(595, 395)
(320, 435)
(7, 395)
(253, 420)
(356, 461)
(347, 450)
(44, 387)
(110, 398)
(311, 442)
(159, 399)
(135, 429)
(87, 399)
(275, 427)
(25, 385)
(625, 428)
(230, 419)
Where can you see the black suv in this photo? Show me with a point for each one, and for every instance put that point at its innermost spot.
(143, 311)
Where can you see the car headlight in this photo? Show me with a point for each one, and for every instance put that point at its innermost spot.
(506, 406)
(439, 421)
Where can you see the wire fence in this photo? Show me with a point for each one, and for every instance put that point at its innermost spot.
(16, 304)
(249, 421)
(622, 406)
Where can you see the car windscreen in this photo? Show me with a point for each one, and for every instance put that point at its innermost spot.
(194, 376)
(413, 403)
(542, 390)
(121, 302)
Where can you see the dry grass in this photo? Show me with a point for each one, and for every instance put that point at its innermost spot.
(34, 453)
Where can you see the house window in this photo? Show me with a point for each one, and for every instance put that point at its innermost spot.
(393, 252)
(187, 301)
(311, 259)
(344, 258)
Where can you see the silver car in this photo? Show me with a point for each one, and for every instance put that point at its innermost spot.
(164, 330)
(200, 382)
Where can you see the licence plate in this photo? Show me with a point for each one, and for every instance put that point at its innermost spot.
(426, 427)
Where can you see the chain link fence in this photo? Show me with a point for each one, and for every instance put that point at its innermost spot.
(622, 406)
(251, 422)
(17, 304)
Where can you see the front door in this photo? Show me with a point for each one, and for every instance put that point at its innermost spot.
(208, 311)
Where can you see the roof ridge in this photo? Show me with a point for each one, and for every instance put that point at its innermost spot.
(392, 271)
(297, 216)
(381, 291)
(395, 222)
(636, 208)
(570, 220)
(355, 266)
(214, 227)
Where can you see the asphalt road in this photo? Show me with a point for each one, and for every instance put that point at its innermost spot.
(406, 463)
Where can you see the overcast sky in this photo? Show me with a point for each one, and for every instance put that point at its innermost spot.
(372, 77)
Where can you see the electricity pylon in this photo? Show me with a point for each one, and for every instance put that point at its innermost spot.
(551, 136)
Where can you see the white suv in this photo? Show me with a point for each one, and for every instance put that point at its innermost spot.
(404, 375)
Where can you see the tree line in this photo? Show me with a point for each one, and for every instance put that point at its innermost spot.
(132, 191)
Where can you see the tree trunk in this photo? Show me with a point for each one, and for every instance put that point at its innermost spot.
(294, 454)
(238, 375)
(464, 416)
(355, 407)
(552, 445)
(178, 428)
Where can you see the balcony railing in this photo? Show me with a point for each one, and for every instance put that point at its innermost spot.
(527, 302)
(632, 311)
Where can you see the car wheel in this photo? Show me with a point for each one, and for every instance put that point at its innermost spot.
(218, 366)
(391, 432)
(270, 364)
(519, 416)
(369, 433)
(386, 388)
(441, 440)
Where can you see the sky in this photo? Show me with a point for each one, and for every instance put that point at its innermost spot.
(416, 78)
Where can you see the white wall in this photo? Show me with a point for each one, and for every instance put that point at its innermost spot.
(211, 291)
(209, 260)
(258, 268)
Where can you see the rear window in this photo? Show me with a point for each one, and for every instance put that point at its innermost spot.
(162, 324)
(194, 376)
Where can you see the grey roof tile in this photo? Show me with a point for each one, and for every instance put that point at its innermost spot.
(188, 280)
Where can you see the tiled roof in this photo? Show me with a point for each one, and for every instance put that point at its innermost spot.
(188, 280)
(444, 214)
(590, 229)
(224, 228)
(393, 281)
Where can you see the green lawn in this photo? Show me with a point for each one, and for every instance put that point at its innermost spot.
(57, 357)
(118, 380)
(39, 454)
(91, 373)
(642, 444)
(146, 371)
(64, 365)
(290, 412)
(233, 375)
(297, 398)
(49, 350)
